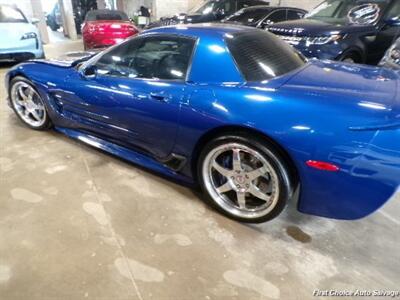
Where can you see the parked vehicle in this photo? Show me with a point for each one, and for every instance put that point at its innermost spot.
(261, 123)
(80, 9)
(19, 38)
(348, 30)
(392, 56)
(208, 11)
(261, 16)
(53, 18)
(104, 28)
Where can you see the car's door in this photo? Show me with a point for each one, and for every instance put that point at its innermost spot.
(137, 91)
(388, 33)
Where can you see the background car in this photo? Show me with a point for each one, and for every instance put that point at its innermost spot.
(264, 120)
(392, 56)
(19, 38)
(80, 9)
(261, 16)
(53, 18)
(208, 11)
(104, 28)
(346, 30)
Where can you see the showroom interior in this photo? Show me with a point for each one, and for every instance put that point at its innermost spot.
(199, 149)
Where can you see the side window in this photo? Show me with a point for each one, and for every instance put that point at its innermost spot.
(294, 14)
(153, 57)
(227, 7)
(394, 11)
(275, 17)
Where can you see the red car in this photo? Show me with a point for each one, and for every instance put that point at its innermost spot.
(104, 28)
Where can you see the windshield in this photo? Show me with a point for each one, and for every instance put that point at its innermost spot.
(349, 11)
(248, 15)
(205, 7)
(11, 15)
(261, 55)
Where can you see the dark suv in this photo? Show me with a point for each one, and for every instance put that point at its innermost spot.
(348, 30)
(208, 11)
(261, 16)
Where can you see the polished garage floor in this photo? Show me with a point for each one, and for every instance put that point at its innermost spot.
(76, 223)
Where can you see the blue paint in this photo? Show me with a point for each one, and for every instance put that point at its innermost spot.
(325, 111)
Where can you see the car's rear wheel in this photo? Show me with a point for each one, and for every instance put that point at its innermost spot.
(28, 104)
(244, 178)
(351, 57)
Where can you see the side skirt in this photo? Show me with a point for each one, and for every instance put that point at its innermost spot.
(126, 154)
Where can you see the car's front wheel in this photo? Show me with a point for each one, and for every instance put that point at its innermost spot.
(28, 104)
(244, 177)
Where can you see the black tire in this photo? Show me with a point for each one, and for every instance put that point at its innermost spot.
(270, 153)
(350, 57)
(47, 122)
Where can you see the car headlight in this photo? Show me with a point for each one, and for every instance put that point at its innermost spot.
(322, 40)
(29, 35)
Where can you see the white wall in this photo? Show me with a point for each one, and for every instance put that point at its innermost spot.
(305, 4)
(24, 5)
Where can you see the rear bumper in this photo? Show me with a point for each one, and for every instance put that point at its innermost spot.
(364, 184)
(101, 41)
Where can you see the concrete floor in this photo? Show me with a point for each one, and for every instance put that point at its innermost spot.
(78, 224)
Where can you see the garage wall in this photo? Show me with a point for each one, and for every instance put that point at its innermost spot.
(305, 4)
(170, 7)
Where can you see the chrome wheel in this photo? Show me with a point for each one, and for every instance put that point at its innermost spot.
(349, 60)
(241, 180)
(28, 104)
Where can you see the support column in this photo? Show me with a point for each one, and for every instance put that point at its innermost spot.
(67, 13)
(38, 13)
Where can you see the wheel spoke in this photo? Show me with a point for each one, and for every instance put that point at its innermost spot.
(224, 188)
(241, 198)
(22, 94)
(30, 94)
(236, 163)
(26, 113)
(255, 191)
(221, 169)
(257, 173)
(36, 115)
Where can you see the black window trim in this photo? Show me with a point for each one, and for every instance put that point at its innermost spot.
(150, 35)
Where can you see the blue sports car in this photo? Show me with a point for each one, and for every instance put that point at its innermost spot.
(19, 38)
(232, 109)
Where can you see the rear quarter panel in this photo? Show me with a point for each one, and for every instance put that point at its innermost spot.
(308, 126)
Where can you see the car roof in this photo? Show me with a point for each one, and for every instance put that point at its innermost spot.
(201, 29)
(255, 7)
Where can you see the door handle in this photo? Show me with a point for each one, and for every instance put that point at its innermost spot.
(159, 97)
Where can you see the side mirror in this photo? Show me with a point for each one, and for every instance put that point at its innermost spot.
(89, 72)
(34, 21)
(393, 21)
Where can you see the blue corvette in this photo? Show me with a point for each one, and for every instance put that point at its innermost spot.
(233, 109)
